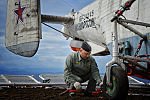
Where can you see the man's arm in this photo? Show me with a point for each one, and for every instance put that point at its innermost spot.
(68, 70)
(95, 71)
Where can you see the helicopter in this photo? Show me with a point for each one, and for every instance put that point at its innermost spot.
(120, 28)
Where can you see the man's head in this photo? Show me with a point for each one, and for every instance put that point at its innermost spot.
(85, 50)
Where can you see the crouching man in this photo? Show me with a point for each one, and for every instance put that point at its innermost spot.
(80, 67)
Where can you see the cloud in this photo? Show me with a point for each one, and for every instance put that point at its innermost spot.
(55, 7)
(59, 58)
(51, 54)
(102, 61)
(53, 47)
(53, 41)
(64, 7)
(2, 41)
(2, 62)
(79, 4)
(2, 16)
(50, 36)
(2, 3)
(2, 30)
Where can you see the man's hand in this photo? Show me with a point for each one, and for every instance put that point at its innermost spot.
(101, 84)
(78, 86)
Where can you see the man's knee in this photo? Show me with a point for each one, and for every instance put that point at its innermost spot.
(92, 79)
(77, 78)
(71, 80)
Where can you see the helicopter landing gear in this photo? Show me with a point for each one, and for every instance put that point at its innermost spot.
(119, 88)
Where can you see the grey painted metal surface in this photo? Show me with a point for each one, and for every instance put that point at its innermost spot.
(92, 23)
(23, 27)
(55, 19)
(94, 20)
(133, 30)
(27, 49)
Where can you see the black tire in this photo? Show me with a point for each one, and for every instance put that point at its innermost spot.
(120, 85)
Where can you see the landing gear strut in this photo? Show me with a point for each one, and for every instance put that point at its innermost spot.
(115, 81)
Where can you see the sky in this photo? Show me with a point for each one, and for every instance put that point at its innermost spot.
(53, 49)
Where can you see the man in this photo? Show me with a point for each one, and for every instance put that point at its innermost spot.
(80, 67)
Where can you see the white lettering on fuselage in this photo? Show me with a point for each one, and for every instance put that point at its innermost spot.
(85, 21)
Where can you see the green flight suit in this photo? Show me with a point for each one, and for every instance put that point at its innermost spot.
(80, 70)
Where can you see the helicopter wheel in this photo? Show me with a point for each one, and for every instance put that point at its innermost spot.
(120, 85)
